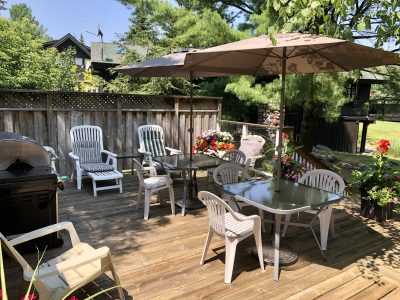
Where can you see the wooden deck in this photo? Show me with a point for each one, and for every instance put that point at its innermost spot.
(159, 258)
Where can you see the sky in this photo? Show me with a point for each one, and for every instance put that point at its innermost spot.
(78, 16)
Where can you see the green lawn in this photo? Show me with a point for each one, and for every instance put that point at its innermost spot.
(384, 130)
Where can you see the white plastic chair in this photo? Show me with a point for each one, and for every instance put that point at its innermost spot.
(234, 227)
(230, 173)
(324, 180)
(68, 272)
(87, 148)
(151, 143)
(151, 185)
(235, 156)
(251, 146)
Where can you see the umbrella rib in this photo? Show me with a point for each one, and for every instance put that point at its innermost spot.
(265, 57)
(327, 58)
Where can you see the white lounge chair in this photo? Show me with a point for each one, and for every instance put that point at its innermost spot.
(152, 184)
(324, 180)
(87, 150)
(68, 272)
(234, 227)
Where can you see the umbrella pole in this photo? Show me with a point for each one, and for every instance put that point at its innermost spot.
(281, 121)
(191, 116)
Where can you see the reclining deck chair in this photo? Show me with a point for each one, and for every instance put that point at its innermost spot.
(151, 143)
(87, 149)
(68, 272)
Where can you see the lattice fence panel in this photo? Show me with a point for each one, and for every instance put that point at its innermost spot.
(198, 104)
(85, 101)
(146, 102)
(23, 100)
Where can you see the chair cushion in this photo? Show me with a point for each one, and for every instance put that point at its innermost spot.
(96, 167)
(87, 151)
(71, 277)
(153, 143)
(155, 182)
(235, 228)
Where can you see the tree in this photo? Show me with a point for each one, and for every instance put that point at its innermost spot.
(3, 4)
(26, 65)
(20, 11)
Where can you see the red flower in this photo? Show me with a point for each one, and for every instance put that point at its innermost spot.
(383, 146)
(30, 297)
(74, 298)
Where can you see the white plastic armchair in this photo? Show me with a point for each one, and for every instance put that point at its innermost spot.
(234, 227)
(87, 149)
(151, 143)
(252, 146)
(68, 272)
(230, 173)
(324, 180)
(152, 184)
(235, 156)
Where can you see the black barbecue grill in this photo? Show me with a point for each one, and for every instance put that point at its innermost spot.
(28, 188)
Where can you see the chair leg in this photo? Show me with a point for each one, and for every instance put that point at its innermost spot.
(206, 245)
(257, 237)
(286, 224)
(119, 182)
(94, 187)
(147, 195)
(139, 196)
(332, 225)
(117, 281)
(230, 251)
(324, 221)
(209, 179)
(261, 213)
(172, 199)
(79, 178)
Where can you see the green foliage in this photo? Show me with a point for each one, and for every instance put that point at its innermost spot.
(389, 90)
(2, 4)
(20, 11)
(246, 89)
(26, 65)
(378, 20)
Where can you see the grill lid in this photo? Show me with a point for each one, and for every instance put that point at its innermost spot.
(18, 150)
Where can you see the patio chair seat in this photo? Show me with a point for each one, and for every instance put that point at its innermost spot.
(236, 228)
(96, 167)
(68, 278)
(155, 182)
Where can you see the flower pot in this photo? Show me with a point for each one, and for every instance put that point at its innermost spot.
(371, 210)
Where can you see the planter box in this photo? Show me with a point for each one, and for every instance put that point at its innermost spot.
(372, 210)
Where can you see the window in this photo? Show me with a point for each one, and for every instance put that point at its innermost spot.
(79, 61)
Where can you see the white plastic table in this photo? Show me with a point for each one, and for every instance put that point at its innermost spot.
(291, 198)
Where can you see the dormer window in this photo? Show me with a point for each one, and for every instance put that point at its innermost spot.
(79, 61)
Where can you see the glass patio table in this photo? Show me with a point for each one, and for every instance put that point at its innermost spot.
(291, 198)
(182, 162)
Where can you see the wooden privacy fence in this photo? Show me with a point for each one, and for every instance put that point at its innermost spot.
(47, 117)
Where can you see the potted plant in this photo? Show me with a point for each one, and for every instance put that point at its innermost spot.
(213, 143)
(378, 185)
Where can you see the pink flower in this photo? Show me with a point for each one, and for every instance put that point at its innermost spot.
(31, 297)
(74, 298)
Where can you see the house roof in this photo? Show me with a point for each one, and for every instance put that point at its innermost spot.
(112, 52)
(68, 36)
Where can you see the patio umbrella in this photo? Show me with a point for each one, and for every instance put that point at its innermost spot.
(170, 65)
(292, 53)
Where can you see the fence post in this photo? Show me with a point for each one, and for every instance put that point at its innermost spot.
(119, 146)
(176, 130)
(219, 107)
(49, 117)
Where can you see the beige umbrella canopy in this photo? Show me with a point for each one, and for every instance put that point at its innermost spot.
(170, 65)
(292, 53)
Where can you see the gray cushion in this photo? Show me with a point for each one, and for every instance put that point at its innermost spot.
(87, 151)
(96, 167)
(153, 143)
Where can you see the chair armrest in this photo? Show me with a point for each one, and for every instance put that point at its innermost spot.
(48, 230)
(109, 153)
(173, 151)
(74, 263)
(73, 156)
(238, 217)
(144, 152)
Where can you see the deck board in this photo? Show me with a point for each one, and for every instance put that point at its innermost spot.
(159, 258)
